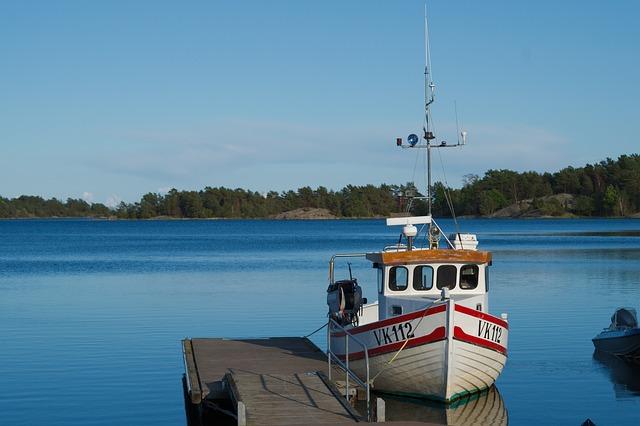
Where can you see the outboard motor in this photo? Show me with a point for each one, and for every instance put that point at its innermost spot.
(345, 301)
(624, 318)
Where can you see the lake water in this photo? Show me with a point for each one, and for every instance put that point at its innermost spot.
(92, 312)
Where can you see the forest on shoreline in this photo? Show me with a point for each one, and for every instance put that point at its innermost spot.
(610, 188)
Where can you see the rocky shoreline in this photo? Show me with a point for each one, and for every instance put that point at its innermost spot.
(305, 213)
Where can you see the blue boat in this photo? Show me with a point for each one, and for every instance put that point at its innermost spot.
(622, 337)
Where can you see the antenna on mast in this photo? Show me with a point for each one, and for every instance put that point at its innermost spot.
(427, 128)
(462, 134)
(429, 86)
(429, 98)
(455, 107)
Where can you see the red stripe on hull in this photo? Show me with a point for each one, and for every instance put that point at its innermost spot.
(482, 315)
(435, 336)
(459, 334)
(394, 320)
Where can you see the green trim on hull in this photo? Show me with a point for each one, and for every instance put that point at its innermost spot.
(453, 402)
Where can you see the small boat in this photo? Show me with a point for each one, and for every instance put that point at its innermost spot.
(429, 334)
(622, 337)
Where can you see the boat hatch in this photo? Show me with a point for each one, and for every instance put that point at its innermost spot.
(464, 241)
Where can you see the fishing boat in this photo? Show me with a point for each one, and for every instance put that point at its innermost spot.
(622, 337)
(429, 334)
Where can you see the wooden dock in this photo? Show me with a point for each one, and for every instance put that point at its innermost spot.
(274, 381)
(268, 381)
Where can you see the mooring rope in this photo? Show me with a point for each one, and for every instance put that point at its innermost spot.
(401, 348)
(216, 407)
(316, 330)
(404, 345)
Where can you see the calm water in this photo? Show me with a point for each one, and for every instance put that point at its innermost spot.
(92, 312)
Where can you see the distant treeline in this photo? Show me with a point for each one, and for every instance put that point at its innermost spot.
(29, 206)
(608, 188)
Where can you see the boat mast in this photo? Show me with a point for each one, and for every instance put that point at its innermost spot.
(429, 89)
(428, 128)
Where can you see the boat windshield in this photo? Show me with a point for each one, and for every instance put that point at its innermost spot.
(624, 318)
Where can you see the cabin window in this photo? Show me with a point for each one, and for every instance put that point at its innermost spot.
(398, 278)
(422, 278)
(469, 277)
(446, 277)
(380, 275)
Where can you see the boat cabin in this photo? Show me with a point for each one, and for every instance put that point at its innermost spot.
(410, 278)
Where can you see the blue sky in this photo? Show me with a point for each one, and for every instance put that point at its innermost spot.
(110, 100)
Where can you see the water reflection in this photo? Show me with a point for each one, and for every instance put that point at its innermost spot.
(624, 374)
(484, 408)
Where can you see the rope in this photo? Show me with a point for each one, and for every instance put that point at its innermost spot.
(210, 404)
(316, 330)
(401, 348)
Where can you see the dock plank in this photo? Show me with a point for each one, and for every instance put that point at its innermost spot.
(288, 399)
(278, 355)
(191, 373)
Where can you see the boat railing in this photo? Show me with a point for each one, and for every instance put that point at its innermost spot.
(333, 259)
(331, 356)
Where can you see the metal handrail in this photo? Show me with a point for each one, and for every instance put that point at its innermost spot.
(332, 261)
(345, 366)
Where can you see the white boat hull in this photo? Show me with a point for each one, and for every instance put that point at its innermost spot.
(444, 352)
